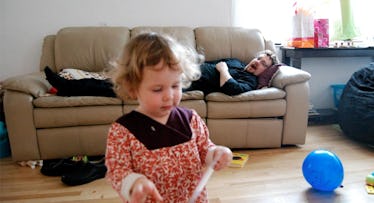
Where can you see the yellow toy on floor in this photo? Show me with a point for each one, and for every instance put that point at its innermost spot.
(370, 183)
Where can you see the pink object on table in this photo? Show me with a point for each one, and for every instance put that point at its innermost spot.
(321, 33)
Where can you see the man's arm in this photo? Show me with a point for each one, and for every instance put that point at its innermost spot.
(234, 87)
(231, 86)
(224, 74)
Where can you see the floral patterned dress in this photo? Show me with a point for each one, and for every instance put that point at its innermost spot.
(172, 155)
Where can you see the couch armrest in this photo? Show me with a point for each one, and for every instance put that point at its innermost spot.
(295, 82)
(296, 118)
(289, 75)
(19, 118)
(33, 84)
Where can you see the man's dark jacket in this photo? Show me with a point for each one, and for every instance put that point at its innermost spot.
(241, 81)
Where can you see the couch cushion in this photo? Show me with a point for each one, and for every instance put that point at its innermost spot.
(67, 141)
(89, 48)
(246, 133)
(229, 42)
(184, 35)
(76, 116)
(262, 103)
(58, 111)
(59, 101)
(254, 95)
(247, 109)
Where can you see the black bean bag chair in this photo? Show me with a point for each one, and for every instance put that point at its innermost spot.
(356, 107)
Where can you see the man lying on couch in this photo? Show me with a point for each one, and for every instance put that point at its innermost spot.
(229, 76)
(233, 77)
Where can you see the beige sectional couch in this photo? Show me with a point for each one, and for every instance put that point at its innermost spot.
(41, 126)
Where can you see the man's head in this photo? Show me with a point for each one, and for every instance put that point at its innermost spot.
(264, 60)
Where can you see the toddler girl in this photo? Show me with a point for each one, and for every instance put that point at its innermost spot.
(158, 151)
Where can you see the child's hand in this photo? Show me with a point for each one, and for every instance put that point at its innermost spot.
(223, 155)
(142, 189)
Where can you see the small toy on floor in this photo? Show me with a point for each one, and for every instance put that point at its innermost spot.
(370, 183)
(31, 163)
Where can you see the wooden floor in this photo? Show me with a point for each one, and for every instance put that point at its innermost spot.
(270, 175)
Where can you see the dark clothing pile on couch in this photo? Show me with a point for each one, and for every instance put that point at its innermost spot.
(241, 81)
(81, 87)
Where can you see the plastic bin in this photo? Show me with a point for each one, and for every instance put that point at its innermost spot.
(4, 141)
(337, 90)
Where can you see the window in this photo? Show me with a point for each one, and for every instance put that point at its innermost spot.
(364, 16)
(273, 17)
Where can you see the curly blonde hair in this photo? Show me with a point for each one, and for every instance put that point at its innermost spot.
(148, 49)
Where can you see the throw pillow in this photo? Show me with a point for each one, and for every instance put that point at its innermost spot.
(76, 74)
(266, 77)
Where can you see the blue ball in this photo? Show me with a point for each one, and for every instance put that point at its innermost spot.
(323, 170)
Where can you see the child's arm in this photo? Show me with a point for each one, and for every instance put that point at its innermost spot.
(143, 188)
(119, 162)
(223, 155)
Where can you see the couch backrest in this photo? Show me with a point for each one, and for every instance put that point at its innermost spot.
(92, 48)
(184, 35)
(85, 48)
(230, 42)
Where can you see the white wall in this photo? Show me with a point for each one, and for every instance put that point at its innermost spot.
(327, 71)
(24, 23)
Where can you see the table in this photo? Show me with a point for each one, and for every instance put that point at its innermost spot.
(292, 56)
